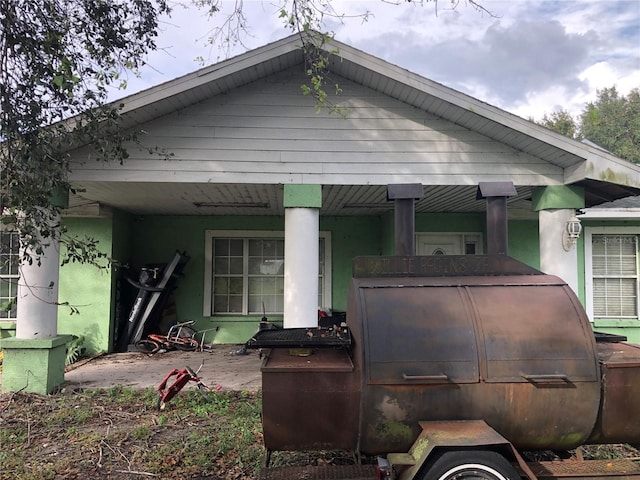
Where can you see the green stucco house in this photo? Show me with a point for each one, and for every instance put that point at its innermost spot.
(251, 163)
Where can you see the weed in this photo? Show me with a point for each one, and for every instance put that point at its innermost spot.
(141, 432)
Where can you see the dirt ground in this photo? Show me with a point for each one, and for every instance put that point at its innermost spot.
(222, 366)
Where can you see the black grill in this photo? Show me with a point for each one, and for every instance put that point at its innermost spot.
(301, 338)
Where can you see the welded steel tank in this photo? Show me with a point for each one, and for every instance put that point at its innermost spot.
(454, 338)
(473, 337)
(481, 337)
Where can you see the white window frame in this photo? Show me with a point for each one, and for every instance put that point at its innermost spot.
(588, 267)
(9, 277)
(210, 235)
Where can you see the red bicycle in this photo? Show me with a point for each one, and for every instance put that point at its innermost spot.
(180, 337)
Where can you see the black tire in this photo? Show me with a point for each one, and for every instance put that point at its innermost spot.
(186, 344)
(470, 465)
(147, 346)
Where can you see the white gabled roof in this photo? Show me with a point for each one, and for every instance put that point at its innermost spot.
(604, 176)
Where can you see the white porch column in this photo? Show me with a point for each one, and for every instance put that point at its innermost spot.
(37, 308)
(34, 358)
(556, 204)
(301, 243)
(555, 259)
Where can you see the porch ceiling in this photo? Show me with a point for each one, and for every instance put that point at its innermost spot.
(243, 199)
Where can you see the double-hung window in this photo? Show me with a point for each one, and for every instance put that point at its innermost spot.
(244, 273)
(9, 259)
(612, 273)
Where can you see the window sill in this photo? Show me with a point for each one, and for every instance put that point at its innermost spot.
(617, 323)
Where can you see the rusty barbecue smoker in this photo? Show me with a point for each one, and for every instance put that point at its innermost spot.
(450, 339)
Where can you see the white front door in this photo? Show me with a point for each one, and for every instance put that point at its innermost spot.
(448, 243)
(439, 244)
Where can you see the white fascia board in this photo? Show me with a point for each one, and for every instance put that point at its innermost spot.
(208, 74)
(604, 167)
(610, 214)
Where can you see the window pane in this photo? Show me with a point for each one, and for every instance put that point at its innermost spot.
(235, 265)
(4, 264)
(235, 286)
(236, 247)
(8, 295)
(220, 304)
(264, 294)
(248, 275)
(235, 304)
(615, 272)
(9, 256)
(221, 247)
(221, 266)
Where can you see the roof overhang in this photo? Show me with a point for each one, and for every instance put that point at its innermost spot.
(603, 176)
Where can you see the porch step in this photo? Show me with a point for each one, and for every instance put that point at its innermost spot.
(329, 472)
(587, 469)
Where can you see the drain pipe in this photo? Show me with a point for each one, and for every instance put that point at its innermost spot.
(496, 194)
(404, 196)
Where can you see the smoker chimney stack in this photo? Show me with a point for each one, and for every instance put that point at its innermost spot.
(496, 194)
(404, 196)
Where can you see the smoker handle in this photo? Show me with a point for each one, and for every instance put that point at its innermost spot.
(426, 378)
(546, 378)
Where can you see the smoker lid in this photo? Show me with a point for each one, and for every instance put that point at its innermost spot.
(301, 338)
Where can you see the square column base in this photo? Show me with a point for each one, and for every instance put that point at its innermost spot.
(35, 366)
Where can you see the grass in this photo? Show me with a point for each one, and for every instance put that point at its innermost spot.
(118, 433)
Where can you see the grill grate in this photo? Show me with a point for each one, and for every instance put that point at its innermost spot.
(332, 472)
(596, 469)
(300, 338)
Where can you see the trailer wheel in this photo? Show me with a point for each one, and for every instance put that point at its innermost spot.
(470, 464)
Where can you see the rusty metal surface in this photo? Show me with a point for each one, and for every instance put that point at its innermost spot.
(440, 266)
(404, 197)
(461, 433)
(514, 350)
(496, 194)
(310, 403)
(619, 420)
(441, 349)
(332, 472)
(594, 469)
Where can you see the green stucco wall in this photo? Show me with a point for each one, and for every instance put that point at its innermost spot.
(87, 288)
(156, 238)
(350, 237)
(524, 241)
(142, 240)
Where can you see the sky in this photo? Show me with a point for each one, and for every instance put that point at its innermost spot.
(529, 57)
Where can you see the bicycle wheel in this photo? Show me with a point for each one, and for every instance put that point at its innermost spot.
(186, 332)
(185, 344)
(147, 346)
